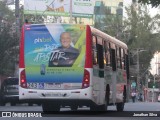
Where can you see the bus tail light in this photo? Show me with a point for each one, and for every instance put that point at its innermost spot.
(86, 79)
(23, 82)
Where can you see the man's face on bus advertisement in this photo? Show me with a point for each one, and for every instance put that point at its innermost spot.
(65, 40)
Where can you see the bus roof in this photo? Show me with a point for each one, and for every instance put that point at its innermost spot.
(108, 37)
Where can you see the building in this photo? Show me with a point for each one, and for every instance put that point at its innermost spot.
(106, 8)
(114, 6)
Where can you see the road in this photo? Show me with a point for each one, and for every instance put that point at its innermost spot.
(143, 110)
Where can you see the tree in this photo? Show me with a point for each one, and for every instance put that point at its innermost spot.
(154, 3)
(141, 28)
(109, 23)
(113, 25)
(8, 41)
(137, 30)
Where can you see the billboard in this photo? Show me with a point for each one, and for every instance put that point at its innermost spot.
(79, 8)
(8, 2)
(54, 53)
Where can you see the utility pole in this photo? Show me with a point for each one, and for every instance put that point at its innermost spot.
(70, 21)
(154, 85)
(153, 96)
(17, 18)
(17, 34)
(138, 77)
(138, 81)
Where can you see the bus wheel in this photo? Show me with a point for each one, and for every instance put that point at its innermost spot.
(74, 107)
(100, 108)
(93, 108)
(30, 104)
(120, 106)
(50, 107)
(124, 94)
(2, 103)
(103, 108)
(13, 103)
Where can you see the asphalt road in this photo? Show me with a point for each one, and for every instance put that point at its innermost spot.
(132, 111)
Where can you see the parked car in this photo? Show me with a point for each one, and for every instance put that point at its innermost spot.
(10, 92)
(159, 98)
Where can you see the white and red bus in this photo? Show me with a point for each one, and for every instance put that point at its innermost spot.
(72, 65)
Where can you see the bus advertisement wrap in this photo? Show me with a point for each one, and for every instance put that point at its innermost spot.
(54, 53)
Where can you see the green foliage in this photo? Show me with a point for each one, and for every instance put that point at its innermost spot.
(8, 41)
(154, 3)
(137, 30)
(113, 25)
(34, 19)
(141, 27)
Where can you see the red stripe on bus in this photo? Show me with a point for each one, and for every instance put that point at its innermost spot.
(88, 61)
(21, 54)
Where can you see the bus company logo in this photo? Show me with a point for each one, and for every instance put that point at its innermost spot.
(40, 40)
(20, 114)
(6, 114)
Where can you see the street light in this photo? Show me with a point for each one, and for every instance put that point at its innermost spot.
(153, 88)
(138, 50)
(153, 95)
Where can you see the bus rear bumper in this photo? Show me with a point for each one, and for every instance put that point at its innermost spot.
(62, 102)
(53, 95)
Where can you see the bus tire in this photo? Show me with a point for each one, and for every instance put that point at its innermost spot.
(124, 94)
(103, 108)
(107, 94)
(92, 108)
(13, 104)
(120, 106)
(30, 104)
(47, 108)
(100, 108)
(74, 107)
(2, 103)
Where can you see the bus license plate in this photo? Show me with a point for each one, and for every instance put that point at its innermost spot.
(53, 94)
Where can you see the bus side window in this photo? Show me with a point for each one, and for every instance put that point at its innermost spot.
(94, 50)
(120, 56)
(100, 52)
(113, 59)
(107, 54)
(110, 55)
(117, 57)
(127, 66)
(124, 59)
(100, 56)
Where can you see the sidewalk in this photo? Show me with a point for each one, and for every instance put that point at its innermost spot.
(130, 101)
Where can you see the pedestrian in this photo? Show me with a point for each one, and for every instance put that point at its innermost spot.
(140, 97)
(133, 95)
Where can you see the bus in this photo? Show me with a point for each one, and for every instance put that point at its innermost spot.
(72, 65)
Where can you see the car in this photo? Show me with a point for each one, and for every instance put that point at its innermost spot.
(9, 91)
(159, 98)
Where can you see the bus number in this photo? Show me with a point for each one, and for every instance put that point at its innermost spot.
(32, 85)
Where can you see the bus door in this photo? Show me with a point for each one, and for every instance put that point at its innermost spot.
(98, 68)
